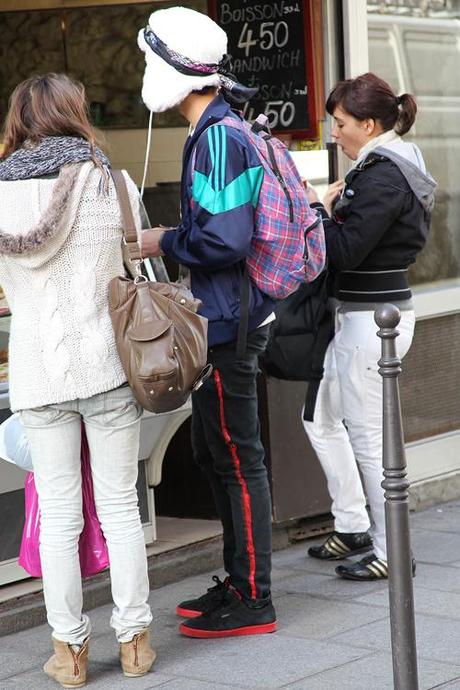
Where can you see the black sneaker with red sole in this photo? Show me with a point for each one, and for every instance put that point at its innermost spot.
(233, 617)
(192, 608)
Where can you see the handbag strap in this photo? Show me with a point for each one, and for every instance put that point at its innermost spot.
(129, 226)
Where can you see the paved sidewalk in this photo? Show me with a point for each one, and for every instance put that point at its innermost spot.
(333, 635)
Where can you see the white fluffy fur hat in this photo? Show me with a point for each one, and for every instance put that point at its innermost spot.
(191, 34)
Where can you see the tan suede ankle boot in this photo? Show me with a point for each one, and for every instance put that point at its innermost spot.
(66, 666)
(137, 656)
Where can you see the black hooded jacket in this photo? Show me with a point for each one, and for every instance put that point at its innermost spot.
(379, 225)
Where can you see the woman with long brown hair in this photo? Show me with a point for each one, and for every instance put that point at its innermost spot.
(60, 245)
(376, 221)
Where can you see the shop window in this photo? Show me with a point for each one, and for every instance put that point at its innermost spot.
(419, 53)
(96, 45)
(384, 53)
(434, 61)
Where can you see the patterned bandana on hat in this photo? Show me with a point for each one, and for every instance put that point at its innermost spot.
(172, 73)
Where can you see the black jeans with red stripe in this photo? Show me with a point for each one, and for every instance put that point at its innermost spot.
(227, 446)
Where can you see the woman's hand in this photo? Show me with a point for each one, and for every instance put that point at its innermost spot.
(311, 193)
(151, 242)
(333, 191)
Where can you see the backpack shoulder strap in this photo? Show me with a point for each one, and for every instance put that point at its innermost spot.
(324, 335)
(323, 338)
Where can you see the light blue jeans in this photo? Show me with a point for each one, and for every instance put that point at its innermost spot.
(112, 422)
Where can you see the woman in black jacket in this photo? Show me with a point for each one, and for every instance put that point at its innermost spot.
(376, 221)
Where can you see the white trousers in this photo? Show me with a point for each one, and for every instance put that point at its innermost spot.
(346, 431)
(112, 422)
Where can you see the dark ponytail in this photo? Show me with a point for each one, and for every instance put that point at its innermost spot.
(407, 113)
(369, 96)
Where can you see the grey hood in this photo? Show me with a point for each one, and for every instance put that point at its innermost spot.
(408, 158)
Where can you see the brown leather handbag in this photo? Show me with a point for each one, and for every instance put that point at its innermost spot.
(161, 340)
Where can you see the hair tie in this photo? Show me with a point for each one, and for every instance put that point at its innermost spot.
(399, 100)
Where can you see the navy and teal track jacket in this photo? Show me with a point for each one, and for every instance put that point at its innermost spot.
(218, 198)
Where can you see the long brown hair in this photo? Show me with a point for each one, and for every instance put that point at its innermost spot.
(48, 105)
(369, 96)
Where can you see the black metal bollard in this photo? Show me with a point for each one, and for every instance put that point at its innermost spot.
(395, 484)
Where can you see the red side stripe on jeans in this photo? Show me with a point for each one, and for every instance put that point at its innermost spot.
(246, 499)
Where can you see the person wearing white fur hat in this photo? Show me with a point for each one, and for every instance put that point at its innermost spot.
(187, 69)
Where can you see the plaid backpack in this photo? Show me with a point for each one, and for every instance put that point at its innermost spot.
(288, 247)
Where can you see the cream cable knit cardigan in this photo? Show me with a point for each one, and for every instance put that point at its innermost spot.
(60, 245)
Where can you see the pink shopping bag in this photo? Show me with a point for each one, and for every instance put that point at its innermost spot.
(92, 547)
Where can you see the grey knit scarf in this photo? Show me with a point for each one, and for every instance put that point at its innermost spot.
(47, 157)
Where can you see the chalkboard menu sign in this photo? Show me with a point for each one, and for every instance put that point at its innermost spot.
(271, 47)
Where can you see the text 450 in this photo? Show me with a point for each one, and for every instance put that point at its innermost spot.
(271, 35)
(278, 113)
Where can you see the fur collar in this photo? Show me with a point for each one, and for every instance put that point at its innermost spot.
(48, 225)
